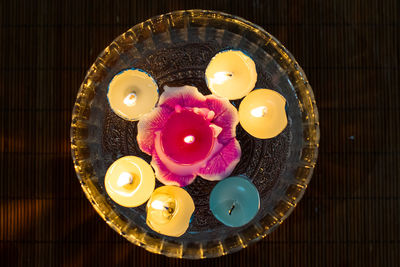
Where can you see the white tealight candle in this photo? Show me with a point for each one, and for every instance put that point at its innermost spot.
(129, 181)
(132, 93)
(169, 210)
(262, 113)
(231, 74)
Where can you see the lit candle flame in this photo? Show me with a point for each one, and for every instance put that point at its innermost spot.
(221, 76)
(157, 204)
(124, 179)
(259, 111)
(189, 139)
(130, 99)
(162, 206)
(166, 208)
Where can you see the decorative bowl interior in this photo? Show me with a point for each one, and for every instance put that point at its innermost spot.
(175, 49)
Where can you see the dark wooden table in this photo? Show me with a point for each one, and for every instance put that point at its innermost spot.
(349, 215)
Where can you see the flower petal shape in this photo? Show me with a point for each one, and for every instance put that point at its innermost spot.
(148, 125)
(185, 96)
(222, 163)
(217, 112)
(165, 176)
(225, 117)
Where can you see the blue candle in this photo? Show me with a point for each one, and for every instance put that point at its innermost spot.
(235, 201)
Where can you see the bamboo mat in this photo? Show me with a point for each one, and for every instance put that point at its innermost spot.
(349, 215)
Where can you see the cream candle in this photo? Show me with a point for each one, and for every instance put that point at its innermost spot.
(231, 74)
(169, 210)
(262, 113)
(129, 181)
(132, 93)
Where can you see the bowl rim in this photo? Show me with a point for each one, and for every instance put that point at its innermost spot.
(267, 224)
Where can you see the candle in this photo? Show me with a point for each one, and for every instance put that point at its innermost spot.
(132, 93)
(187, 137)
(169, 210)
(262, 113)
(129, 181)
(189, 134)
(231, 74)
(234, 201)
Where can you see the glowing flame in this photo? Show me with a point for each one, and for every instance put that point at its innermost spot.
(157, 204)
(259, 111)
(189, 139)
(221, 76)
(124, 179)
(130, 100)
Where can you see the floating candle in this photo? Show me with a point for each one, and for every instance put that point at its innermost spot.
(132, 93)
(129, 181)
(262, 113)
(234, 201)
(190, 134)
(169, 210)
(231, 74)
(187, 137)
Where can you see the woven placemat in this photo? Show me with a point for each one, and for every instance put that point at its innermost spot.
(349, 215)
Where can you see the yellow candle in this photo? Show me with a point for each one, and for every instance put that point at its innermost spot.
(231, 74)
(129, 181)
(262, 113)
(132, 93)
(169, 210)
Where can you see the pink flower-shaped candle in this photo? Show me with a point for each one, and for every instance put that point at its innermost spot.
(189, 134)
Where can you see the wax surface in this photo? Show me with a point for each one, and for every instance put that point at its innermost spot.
(214, 159)
(262, 113)
(132, 93)
(187, 137)
(169, 210)
(234, 201)
(231, 74)
(129, 181)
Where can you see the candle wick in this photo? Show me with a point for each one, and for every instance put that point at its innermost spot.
(130, 99)
(229, 74)
(231, 209)
(169, 209)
